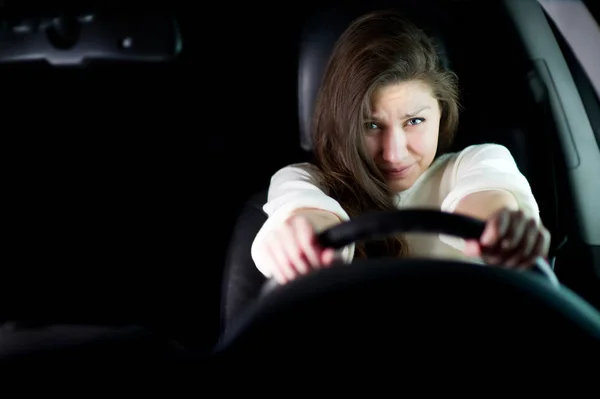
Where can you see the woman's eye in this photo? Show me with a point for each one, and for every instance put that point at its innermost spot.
(372, 126)
(415, 121)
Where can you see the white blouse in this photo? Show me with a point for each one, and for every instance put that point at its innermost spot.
(450, 178)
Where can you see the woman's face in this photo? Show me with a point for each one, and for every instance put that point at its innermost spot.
(402, 134)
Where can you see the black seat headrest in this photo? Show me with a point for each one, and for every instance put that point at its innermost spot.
(318, 38)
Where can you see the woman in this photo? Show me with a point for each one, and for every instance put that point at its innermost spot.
(384, 120)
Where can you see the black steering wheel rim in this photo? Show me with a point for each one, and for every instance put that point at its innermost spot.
(566, 304)
(382, 224)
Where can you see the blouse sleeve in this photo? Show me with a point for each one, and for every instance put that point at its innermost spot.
(487, 167)
(291, 188)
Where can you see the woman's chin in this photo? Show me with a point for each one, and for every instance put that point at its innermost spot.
(399, 185)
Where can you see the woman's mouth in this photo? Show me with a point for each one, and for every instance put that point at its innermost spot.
(398, 172)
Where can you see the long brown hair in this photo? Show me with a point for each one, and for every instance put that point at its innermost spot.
(377, 49)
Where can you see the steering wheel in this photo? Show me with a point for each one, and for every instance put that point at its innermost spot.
(437, 301)
(382, 224)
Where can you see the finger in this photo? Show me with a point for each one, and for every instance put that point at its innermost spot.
(472, 248)
(529, 245)
(524, 256)
(271, 261)
(515, 248)
(494, 232)
(271, 265)
(538, 248)
(293, 252)
(512, 226)
(515, 233)
(328, 257)
(307, 241)
(495, 229)
(276, 269)
(280, 257)
(542, 245)
(492, 259)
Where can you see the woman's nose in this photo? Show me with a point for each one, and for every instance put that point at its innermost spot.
(394, 145)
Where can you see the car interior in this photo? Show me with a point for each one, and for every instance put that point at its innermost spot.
(140, 142)
(531, 136)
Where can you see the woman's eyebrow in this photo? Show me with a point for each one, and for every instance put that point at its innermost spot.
(374, 117)
(413, 114)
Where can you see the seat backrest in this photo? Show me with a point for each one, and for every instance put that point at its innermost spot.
(242, 281)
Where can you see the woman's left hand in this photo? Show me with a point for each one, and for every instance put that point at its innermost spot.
(510, 239)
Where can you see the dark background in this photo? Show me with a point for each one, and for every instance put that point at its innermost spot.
(123, 182)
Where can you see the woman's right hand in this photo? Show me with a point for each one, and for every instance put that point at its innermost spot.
(292, 250)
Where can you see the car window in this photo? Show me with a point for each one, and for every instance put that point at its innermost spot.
(578, 35)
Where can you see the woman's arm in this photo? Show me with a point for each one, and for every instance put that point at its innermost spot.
(489, 186)
(292, 249)
(511, 238)
(318, 218)
(483, 204)
(295, 205)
